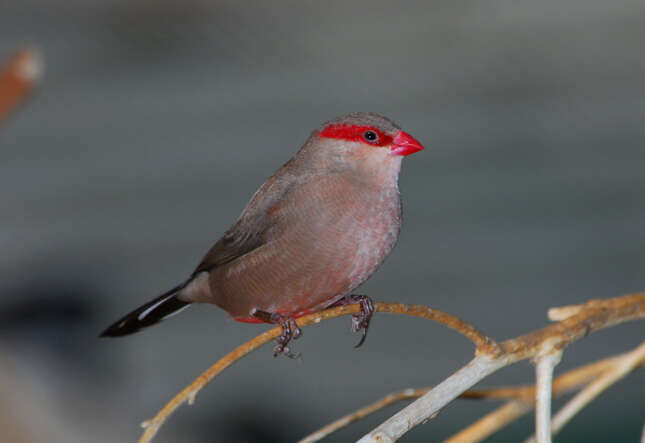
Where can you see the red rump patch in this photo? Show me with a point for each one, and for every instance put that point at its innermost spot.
(356, 134)
(248, 320)
(251, 319)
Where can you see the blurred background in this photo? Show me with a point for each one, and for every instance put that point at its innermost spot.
(157, 120)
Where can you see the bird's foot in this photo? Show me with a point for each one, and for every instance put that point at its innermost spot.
(360, 321)
(290, 330)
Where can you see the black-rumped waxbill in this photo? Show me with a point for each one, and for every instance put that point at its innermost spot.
(312, 233)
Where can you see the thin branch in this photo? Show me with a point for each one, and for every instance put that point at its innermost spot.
(484, 345)
(409, 394)
(489, 355)
(563, 312)
(593, 315)
(565, 383)
(417, 412)
(395, 397)
(491, 422)
(500, 417)
(18, 77)
(623, 366)
(543, 386)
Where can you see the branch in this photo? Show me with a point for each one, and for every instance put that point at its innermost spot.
(522, 400)
(544, 382)
(491, 422)
(490, 356)
(496, 420)
(395, 397)
(485, 346)
(620, 369)
(18, 78)
(408, 394)
(479, 367)
(592, 316)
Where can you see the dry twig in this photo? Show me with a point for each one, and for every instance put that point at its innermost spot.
(490, 356)
(483, 344)
(521, 400)
(497, 419)
(592, 316)
(620, 369)
(395, 397)
(492, 422)
(544, 375)
(18, 78)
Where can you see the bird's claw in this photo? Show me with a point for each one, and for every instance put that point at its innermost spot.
(290, 330)
(360, 321)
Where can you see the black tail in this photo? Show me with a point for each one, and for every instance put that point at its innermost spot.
(152, 312)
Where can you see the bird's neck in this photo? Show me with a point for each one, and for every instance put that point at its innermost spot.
(380, 170)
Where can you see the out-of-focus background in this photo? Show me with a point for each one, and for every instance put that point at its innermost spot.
(157, 120)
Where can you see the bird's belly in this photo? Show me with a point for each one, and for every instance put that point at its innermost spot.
(307, 269)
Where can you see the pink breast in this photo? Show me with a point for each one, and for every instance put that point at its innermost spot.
(337, 243)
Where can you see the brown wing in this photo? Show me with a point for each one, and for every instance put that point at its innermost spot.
(253, 228)
(236, 242)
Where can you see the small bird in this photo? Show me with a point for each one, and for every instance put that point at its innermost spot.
(314, 231)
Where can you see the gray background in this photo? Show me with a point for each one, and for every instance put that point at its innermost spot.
(156, 122)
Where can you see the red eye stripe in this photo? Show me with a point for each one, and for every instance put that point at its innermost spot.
(355, 133)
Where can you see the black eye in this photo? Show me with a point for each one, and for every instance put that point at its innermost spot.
(370, 136)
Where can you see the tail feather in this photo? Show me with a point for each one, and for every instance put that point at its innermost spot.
(164, 306)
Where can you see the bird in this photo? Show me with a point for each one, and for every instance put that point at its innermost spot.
(310, 235)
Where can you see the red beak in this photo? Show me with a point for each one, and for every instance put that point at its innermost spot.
(404, 144)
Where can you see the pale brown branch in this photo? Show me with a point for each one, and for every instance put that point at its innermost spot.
(544, 384)
(491, 422)
(593, 315)
(497, 419)
(489, 355)
(359, 414)
(619, 369)
(522, 394)
(18, 77)
(560, 313)
(484, 345)
(409, 394)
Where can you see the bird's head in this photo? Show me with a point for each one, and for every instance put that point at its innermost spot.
(364, 141)
(369, 130)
